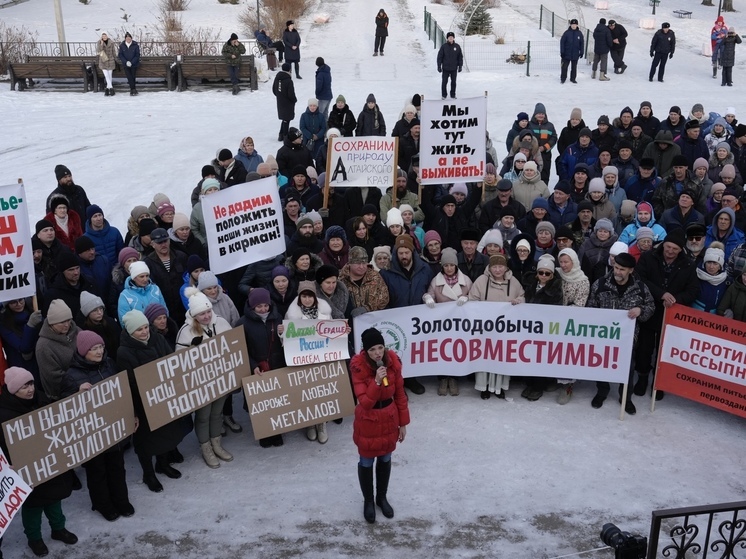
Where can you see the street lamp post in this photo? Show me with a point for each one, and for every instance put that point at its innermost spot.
(258, 17)
(60, 28)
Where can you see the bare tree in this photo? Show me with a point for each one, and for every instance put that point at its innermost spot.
(728, 6)
(707, 3)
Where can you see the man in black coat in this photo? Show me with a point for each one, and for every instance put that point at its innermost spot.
(671, 277)
(450, 62)
(661, 50)
(471, 262)
(167, 269)
(293, 154)
(491, 210)
(284, 90)
(76, 196)
(232, 170)
(68, 285)
(602, 43)
(618, 45)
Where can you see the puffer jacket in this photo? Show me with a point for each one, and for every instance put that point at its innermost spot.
(527, 190)
(133, 297)
(108, 241)
(663, 158)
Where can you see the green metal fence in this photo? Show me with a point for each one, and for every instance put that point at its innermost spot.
(433, 30)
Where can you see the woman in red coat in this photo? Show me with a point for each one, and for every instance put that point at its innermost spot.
(381, 417)
(66, 222)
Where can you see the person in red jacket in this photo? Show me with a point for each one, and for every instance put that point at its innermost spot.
(381, 417)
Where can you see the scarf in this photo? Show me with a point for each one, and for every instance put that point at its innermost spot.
(263, 315)
(311, 313)
(451, 280)
(576, 274)
(715, 280)
(63, 223)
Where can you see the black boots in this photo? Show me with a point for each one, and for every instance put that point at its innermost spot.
(163, 467)
(383, 473)
(641, 386)
(236, 89)
(148, 474)
(365, 476)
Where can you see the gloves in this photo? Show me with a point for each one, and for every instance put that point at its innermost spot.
(459, 68)
(462, 300)
(34, 319)
(129, 64)
(324, 212)
(196, 341)
(651, 54)
(670, 56)
(440, 69)
(429, 301)
(728, 314)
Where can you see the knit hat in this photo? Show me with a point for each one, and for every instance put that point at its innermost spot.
(531, 165)
(625, 260)
(198, 303)
(335, 232)
(448, 256)
(521, 116)
(138, 268)
(490, 169)
(585, 205)
(314, 216)
(545, 226)
(67, 260)
(92, 210)
(540, 203)
(36, 244)
(164, 208)
(341, 98)
(563, 186)
(505, 184)
(89, 303)
(499, 260)
(546, 262)
(698, 108)
(371, 98)
(303, 220)
(507, 211)
(207, 184)
(523, 243)
(137, 211)
(404, 241)
(470, 234)
(724, 145)
(647, 104)
(180, 220)
(564, 232)
(16, 378)
(58, 312)
(715, 254)
(286, 66)
(83, 244)
(519, 157)
(259, 296)
(264, 169)
(628, 209)
(371, 338)
(717, 187)
(740, 131)
(278, 271)
(206, 280)
(126, 253)
(459, 188)
(307, 285)
(610, 170)
(665, 25)
(431, 236)
(700, 162)
(234, 37)
(597, 185)
(406, 208)
(381, 250)
(493, 236)
(644, 233)
(208, 170)
(333, 132)
(393, 217)
(605, 224)
(135, 319)
(369, 209)
(450, 34)
(677, 237)
(688, 192)
(603, 119)
(581, 168)
(43, 224)
(626, 110)
(357, 255)
(195, 262)
(61, 171)
(576, 113)
(730, 111)
(147, 226)
(224, 155)
(298, 253)
(86, 340)
(585, 132)
(153, 311)
(728, 172)
(624, 144)
(313, 101)
(447, 199)
(617, 248)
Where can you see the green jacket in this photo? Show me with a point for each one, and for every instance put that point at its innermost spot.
(229, 50)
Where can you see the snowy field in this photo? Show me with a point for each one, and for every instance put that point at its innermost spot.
(507, 479)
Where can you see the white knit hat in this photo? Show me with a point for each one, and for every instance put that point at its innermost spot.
(618, 248)
(715, 254)
(393, 217)
(137, 268)
(198, 302)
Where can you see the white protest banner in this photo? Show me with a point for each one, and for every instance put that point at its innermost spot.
(16, 256)
(244, 224)
(315, 341)
(453, 146)
(519, 340)
(13, 492)
(362, 161)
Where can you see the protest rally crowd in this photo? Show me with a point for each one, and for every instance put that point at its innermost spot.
(645, 214)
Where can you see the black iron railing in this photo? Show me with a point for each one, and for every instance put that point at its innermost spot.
(710, 531)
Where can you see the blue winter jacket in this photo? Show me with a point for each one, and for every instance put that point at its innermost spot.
(403, 291)
(324, 83)
(312, 123)
(629, 234)
(559, 218)
(641, 190)
(108, 241)
(571, 45)
(98, 272)
(133, 297)
(129, 54)
(573, 155)
(250, 162)
(732, 239)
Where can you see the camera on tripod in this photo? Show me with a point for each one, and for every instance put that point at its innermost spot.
(626, 545)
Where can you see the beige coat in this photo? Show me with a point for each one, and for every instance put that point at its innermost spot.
(107, 54)
(441, 292)
(485, 288)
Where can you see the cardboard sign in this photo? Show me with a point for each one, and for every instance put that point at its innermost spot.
(292, 398)
(17, 279)
(453, 147)
(522, 340)
(244, 224)
(702, 357)
(362, 161)
(191, 378)
(61, 436)
(13, 492)
(315, 341)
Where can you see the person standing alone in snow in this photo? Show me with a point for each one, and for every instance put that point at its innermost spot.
(571, 50)
(232, 51)
(728, 56)
(718, 33)
(382, 31)
(450, 61)
(284, 90)
(661, 50)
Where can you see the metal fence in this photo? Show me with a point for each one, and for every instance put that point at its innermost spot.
(557, 25)
(433, 30)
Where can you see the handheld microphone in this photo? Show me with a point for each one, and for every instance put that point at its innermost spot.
(379, 363)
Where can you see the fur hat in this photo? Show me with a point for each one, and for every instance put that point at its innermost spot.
(448, 256)
(16, 378)
(564, 232)
(470, 234)
(89, 303)
(335, 232)
(498, 260)
(86, 340)
(692, 124)
(136, 319)
(259, 296)
(493, 236)
(325, 272)
(154, 310)
(58, 312)
(371, 338)
(138, 268)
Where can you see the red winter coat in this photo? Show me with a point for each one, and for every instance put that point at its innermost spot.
(73, 226)
(376, 431)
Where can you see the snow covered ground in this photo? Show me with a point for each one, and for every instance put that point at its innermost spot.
(508, 479)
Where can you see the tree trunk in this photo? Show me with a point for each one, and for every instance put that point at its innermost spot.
(728, 6)
(707, 3)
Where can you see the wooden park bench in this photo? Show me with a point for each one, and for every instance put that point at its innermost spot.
(52, 68)
(151, 67)
(683, 13)
(213, 68)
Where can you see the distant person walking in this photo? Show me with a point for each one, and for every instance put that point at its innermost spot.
(728, 56)
(129, 56)
(107, 61)
(323, 86)
(291, 38)
(571, 50)
(382, 31)
(450, 61)
(661, 50)
(618, 45)
(232, 51)
(602, 43)
(284, 90)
